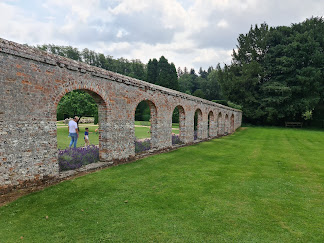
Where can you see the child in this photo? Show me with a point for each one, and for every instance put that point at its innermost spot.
(86, 137)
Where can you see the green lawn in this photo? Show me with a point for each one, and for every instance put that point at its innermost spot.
(63, 140)
(142, 132)
(147, 123)
(257, 185)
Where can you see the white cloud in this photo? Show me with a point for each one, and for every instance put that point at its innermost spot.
(17, 26)
(209, 55)
(121, 33)
(82, 9)
(174, 15)
(130, 6)
(222, 24)
(190, 33)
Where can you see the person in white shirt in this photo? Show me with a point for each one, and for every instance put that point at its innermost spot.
(73, 131)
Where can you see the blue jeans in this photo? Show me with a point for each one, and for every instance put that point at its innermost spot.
(74, 139)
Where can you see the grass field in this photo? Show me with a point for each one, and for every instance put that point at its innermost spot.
(257, 185)
(63, 140)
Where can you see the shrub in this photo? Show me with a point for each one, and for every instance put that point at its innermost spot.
(175, 139)
(73, 158)
(141, 146)
(195, 135)
(222, 102)
(233, 105)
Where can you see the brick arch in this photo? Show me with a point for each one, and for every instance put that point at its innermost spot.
(95, 92)
(182, 122)
(101, 101)
(150, 99)
(199, 123)
(153, 120)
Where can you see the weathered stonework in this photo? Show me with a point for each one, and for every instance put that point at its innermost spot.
(32, 84)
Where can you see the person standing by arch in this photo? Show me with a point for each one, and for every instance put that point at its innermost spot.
(73, 131)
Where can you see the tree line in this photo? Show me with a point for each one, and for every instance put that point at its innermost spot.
(276, 73)
(159, 72)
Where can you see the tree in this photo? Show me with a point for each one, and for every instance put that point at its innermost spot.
(152, 71)
(77, 103)
(137, 70)
(210, 69)
(162, 78)
(194, 77)
(294, 65)
(252, 46)
(203, 74)
(134, 68)
(174, 84)
(142, 112)
(186, 83)
(199, 93)
(212, 90)
(102, 61)
(65, 51)
(179, 72)
(277, 74)
(167, 74)
(240, 85)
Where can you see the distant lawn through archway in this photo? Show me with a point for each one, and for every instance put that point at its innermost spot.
(141, 131)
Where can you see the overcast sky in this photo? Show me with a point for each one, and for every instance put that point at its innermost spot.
(191, 33)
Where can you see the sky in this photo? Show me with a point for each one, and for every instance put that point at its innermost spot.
(189, 33)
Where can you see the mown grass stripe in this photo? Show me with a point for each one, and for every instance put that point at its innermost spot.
(258, 185)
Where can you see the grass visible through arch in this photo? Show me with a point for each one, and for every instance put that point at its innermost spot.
(142, 130)
(257, 185)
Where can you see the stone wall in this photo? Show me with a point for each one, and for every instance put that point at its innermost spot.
(32, 84)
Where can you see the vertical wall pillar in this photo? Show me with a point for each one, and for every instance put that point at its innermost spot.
(189, 126)
(200, 124)
(164, 128)
(220, 130)
(182, 124)
(204, 126)
(212, 125)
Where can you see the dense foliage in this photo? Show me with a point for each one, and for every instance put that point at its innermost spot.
(205, 85)
(277, 73)
(142, 112)
(133, 68)
(74, 158)
(160, 72)
(142, 145)
(77, 103)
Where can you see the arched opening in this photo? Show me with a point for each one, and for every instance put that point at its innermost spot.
(211, 124)
(226, 124)
(197, 125)
(232, 124)
(145, 126)
(87, 147)
(178, 125)
(219, 124)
